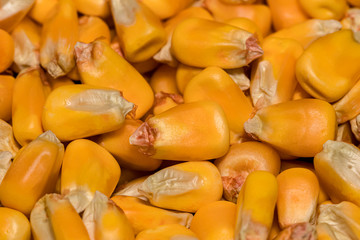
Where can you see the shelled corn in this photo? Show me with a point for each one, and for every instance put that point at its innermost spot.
(179, 119)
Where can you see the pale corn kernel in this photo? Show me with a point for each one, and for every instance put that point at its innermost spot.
(7, 141)
(324, 232)
(239, 77)
(12, 12)
(131, 188)
(5, 162)
(298, 231)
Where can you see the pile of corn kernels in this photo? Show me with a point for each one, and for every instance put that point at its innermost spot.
(179, 119)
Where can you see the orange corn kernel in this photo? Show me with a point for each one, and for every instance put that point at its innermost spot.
(27, 106)
(104, 220)
(167, 232)
(300, 93)
(6, 95)
(248, 25)
(164, 80)
(187, 132)
(7, 141)
(33, 173)
(297, 198)
(336, 166)
(26, 37)
(324, 9)
(128, 155)
(97, 61)
(315, 71)
(12, 12)
(286, 13)
(215, 84)
(143, 216)
(239, 1)
(259, 13)
(58, 38)
(13, 225)
(7, 50)
(273, 75)
(139, 30)
(167, 8)
(93, 7)
(54, 218)
(165, 101)
(215, 221)
(241, 160)
(184, 74)
(91, 28)
(58, 82)
(341, 219)
(145, 66)
(256, 206)
(288, 128)
(87, 168)
(298, 231)
(212, 43)
(79, 110)
(308, 31)
(42, 10)
(184, 186)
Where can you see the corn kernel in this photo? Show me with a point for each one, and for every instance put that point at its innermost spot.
(91, 28)
(79, 110)
(355, 127)
(131, 188)
(164, 80)
(42, 10)
(297, 198)
(324, 232)
(247, 25)
(344, 133)
(298, 231)
(184, 74)
(300, 93)
(143, 216)
(104, 220)
(87, 168)
(93, 7)
(239, 76)
(241, 160)
(12, 12)
(165, 101)
(167, 232)
(183, 187)
(187, 132)
(58, 38)
(5, 162)
(13, 225)
(33, 173)
(212, 43)
(7, 141)
(97, 61)
(166, 8)
(7, 50)
(324, 9)
(6, 95)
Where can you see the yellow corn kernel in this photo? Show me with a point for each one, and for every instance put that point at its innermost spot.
(297, 197)
(344, 133)
(337, 168)
(300, 93)
(12, 12)
(26, 37)
(42, 9)
(131, 188)
(215, 221)
(7, 50)
(7, 141)
(308, 31)
(164, 80)
(298, 231)
(54, 218)
(27, 106)
(247, 25)
(140, 31)
(342, 219)
(58, 82)
(13, 225)
(87, 168)
(255, 206)
(258, 13)
(93, 7)
(143, 216)
(184, 74)
(324, 9)
(145, 66)
(184, 186)
(33, 173)
(128, 155)
(79, 110)
(348, 106)
(97, 61)
(215, 84)
(167, 232)
(315, 69)
(241, 160)
(239, 1)
(187, 132)
(58, 38)
(167, 8)
(273, 76)
(91, 28)
(104, 220)
(288, 128)
(7, 83)
(212, 43)
(286, 13)
(324, 232)
(165, 101)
